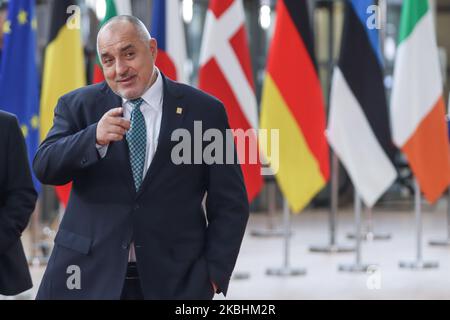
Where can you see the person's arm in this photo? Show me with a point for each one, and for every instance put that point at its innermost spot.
(18, 191)
(227, 212)
(65, 150)
(68, 150)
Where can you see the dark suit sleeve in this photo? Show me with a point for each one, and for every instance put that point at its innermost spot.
(227, 212)
(66, 149)
(18, 192)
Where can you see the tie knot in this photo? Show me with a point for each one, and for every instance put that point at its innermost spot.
(136, 103)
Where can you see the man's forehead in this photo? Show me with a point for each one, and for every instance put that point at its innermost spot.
(117, 44)
(117, 33)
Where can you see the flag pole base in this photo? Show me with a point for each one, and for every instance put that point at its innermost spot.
(419, 265)
(268, 233)
(331, 248)
(370, 236)
(354, 268)
(286, 272)
(441, 243)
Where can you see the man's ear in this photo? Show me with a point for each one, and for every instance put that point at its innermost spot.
(154, 48)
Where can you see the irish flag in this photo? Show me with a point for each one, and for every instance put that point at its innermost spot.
(417, 111)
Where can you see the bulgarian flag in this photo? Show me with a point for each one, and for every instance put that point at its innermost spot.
(417, 112)
(113, 8)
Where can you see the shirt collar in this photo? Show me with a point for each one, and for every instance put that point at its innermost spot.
(153, 95)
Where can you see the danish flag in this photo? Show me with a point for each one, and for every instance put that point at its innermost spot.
(226, 73)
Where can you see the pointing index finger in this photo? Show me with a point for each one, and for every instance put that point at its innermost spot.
(116, 112)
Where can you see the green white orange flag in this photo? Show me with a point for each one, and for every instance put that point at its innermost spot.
(417, 111)
(292, 102)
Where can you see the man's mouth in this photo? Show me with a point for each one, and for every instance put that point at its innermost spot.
(126, 80)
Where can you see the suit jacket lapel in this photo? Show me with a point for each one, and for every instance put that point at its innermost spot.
(171, 120)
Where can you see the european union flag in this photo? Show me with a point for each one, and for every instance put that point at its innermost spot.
(19, 92)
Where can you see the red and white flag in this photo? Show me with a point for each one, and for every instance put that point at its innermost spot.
(226, 73)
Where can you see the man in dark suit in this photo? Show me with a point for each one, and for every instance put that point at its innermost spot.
(17, 202)
(135, 226)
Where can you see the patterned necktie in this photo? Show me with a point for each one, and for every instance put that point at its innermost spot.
(137, 142)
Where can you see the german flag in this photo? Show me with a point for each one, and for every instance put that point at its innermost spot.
(64, 68)
(292, 102)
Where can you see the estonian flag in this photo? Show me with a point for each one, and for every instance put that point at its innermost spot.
(358, 124)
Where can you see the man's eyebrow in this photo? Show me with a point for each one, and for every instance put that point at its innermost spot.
(106, 54)
(127, 47)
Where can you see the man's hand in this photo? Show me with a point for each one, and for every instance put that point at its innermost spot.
(112, 127)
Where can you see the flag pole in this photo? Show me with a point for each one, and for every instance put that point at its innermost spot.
(286, 269)
(445, 242)
(370, 234)
(357, 266)
(333, 247)
(271, 230)
(34, 258)
(419, 263)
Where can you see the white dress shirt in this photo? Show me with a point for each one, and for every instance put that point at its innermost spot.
(151, 109)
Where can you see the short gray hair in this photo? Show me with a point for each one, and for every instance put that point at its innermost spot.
(140, 27)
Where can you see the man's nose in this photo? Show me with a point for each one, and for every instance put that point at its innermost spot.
(121, 68)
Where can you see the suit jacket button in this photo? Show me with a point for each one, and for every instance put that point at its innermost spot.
(83, 161)
(136, 207)
(124, 246)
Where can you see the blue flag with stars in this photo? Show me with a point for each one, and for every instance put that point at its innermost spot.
(19, 90)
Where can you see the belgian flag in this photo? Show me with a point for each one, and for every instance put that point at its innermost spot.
(292, 103)
(64, 68)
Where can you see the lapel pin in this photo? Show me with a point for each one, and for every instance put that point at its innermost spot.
(179, 110)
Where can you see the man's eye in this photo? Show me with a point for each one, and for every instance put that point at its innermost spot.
(107, 61)
(129, 54)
